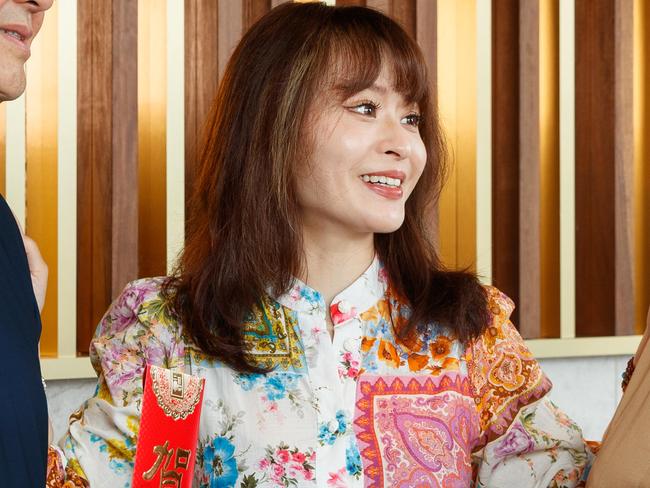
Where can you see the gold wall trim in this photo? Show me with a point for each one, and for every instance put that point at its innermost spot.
(456, 76)
(67, 182)
(567, 170)
(484, 140)
(41, 180)
(175, 130)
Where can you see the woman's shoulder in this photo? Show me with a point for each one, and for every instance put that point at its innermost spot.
(140, 319)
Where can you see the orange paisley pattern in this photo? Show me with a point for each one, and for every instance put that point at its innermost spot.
(503, 371)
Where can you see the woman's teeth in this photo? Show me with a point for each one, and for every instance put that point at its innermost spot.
(382, 180)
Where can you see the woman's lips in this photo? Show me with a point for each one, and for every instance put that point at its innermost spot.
(390, 192)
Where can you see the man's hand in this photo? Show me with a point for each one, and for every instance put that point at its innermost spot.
(37, 269)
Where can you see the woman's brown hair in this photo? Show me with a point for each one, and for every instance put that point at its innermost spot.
(244, 235)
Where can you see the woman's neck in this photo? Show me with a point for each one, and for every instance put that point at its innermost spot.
(333, 262)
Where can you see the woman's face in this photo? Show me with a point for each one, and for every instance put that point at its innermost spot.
(367, 157)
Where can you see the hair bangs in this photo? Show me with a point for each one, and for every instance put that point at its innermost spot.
(360, 43)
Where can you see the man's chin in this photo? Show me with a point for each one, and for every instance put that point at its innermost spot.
(11, 87)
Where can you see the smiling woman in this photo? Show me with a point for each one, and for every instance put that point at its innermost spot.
(335, 347)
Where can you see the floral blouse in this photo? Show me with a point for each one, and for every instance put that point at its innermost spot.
(358, 409)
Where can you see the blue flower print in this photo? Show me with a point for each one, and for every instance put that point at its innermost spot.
(310, 294)
(325, 436)
(277, 384)
(353, 459)
(220, 464)
(247, 381)
(343, 423)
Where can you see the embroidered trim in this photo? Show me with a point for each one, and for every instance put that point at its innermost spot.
(177, 394)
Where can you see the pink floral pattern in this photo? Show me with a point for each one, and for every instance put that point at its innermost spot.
(287, 467)
(363, 409)
(416, 430)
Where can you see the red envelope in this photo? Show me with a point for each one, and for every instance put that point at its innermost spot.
(169, 429)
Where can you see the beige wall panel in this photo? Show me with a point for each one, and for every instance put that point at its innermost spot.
(41, 141)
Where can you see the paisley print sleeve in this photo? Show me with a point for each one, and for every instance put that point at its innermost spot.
(136, 330)
(525, 440)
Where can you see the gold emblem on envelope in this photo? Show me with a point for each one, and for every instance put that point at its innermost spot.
(177, 394)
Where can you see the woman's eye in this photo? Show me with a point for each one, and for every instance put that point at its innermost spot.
(367, 109)
(412, 119)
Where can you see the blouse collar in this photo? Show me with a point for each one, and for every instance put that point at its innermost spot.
(362, 294)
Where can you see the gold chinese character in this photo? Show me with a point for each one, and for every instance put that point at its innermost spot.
(169, 477)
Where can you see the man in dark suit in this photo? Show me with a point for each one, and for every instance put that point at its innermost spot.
(23, 280)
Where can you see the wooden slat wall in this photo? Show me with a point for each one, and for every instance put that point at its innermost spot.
(605, 192)
(642, 159)
(505, 148)
(624, 165)
(107, 157)
(595, 167)
(529, 171)
(201, 75)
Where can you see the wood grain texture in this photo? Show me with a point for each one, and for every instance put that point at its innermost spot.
(124, 144)
(345, 3)
(107, 157)
(94, 177)
(530, 184)
(201, 76)
(595, 167)
(253, 10)
(624, 167)
(505, 149)
(230, 29)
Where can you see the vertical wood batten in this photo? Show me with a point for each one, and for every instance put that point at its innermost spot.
(567, 170)
(93, 164)
(253, 10)
(201, 77)
(107, 157)
(175, 131)
(15, 157)
(484, 140)
(595, 167)
(530, 184)
(505, 149)
(230, 28)
(624, 167)
(67, 179)
(125, 144)
(642, 160)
